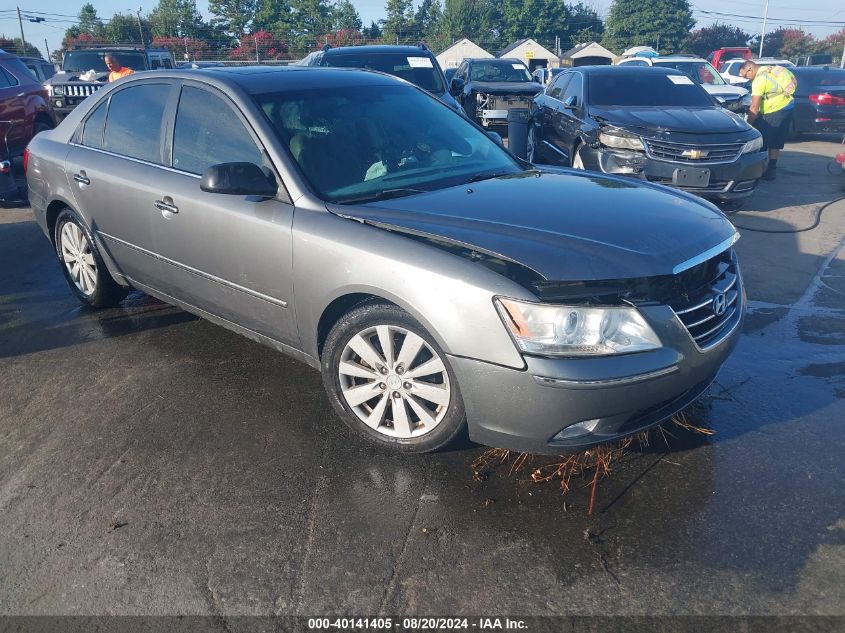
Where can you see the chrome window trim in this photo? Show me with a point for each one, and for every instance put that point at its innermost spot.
(199, 273)
(606, 382)
(136, 160)
(708, 254)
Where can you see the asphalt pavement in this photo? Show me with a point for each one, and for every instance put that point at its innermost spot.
(153, 463)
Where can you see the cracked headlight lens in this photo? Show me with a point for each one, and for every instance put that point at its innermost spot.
(556, 330)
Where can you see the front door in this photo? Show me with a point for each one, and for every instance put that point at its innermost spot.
(227, 255)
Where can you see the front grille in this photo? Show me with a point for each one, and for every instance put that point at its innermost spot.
(696, 154)
(697, 308)
(80, 90)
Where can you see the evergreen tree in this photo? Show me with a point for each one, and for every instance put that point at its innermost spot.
(477, 20)
(123, 29)
(663, 24)
(397, 26)
(541, 20)
(427, 18)
(373, 32)
(176, 18)
(232, 16)
(274, 16)
(345, 17)
(309, 20)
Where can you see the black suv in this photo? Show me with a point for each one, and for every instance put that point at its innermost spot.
(67, 89)
(415, 64)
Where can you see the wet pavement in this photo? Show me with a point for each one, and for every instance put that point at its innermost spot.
(153, 463)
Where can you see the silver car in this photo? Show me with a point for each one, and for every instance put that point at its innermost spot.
(351, 220)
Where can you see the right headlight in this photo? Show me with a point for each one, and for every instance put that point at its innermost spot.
(57, 90)
(617, 139)
(557, 330)
(753, 146)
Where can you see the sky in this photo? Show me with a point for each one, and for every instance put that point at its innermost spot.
(825, 13)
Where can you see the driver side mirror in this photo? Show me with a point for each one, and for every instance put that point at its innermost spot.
(456, 86)
(239, 179)
(571, 102)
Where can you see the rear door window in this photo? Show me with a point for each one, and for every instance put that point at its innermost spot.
(209, 132)
(133, 125)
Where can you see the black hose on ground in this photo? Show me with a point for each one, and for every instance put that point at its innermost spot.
(815, 223)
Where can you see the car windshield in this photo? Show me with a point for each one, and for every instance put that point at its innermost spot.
(499, 70)
(646, 89)
(359, 144)
(418, 69)
(699, 72)
(81, 61)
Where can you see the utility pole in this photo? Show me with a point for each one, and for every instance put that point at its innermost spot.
(257, 60)
(47, 46)
(140, 30)
(842, 61)
(23, 41)
(763, 32)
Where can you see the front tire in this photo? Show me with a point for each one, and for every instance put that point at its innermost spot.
(82, 265)
(390, 382)
(577, 158)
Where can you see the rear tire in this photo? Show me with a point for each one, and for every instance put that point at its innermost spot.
(82, 265)
(390, 382)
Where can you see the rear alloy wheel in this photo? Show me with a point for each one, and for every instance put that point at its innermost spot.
(389, 380)
(82, 265)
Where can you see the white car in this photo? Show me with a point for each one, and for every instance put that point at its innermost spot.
(730, 71)
(701, 72)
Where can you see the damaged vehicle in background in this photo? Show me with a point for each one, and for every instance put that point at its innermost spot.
(439, 283)
(488, 88)
(654, 124)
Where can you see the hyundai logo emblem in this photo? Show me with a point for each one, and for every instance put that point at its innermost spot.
(720, 304)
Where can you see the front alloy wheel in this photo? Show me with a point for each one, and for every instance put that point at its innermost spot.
(389, 381)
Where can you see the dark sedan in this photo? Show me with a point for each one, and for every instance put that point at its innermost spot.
(655, 124)
(819, 100)
(488, 88)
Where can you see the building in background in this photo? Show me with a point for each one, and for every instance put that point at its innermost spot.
(452, 56)
(534, 55)
(588, 54)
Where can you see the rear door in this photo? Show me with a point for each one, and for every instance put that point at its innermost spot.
(15, 128)
(115, 160)
(550, 143)
(227, 255)
(568, 119)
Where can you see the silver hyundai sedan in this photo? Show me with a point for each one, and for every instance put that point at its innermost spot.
(351, 220)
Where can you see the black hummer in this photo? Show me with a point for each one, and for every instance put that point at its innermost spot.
(67, 89)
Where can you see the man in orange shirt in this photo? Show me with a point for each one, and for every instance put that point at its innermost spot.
(116, 70)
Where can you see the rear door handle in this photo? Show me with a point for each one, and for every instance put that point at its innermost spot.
(161, 205)
(82, 180)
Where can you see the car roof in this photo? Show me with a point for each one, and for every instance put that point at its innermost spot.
(260, 79)
(624, 69)
(377, 49)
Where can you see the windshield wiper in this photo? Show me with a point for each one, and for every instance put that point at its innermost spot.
(497, 174)
(386, 194)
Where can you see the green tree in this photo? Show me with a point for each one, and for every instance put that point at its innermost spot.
(123, 29)
(833, 44)
(399, 21)
(541, 20)
(663, 24)
(309, 20)
(89, 22)
(473, 19)
(582, 25)
(232, 16)
(707, 39)
(427, 18)
(372, 32)
(797, 42)
(345, 17)
(274, 16)
(176, 18)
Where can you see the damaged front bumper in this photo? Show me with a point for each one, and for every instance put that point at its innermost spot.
(493, 109)
(723, 181)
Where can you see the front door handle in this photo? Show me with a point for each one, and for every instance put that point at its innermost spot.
(81, 179)
(163, 205)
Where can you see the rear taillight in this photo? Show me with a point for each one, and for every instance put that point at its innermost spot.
(25, 159)
(827, 99)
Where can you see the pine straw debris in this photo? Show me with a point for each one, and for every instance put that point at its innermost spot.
(590, 466)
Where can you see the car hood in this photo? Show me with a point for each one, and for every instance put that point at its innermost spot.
(564, 225)
(507, 87)
(726, 92)
(693, 120)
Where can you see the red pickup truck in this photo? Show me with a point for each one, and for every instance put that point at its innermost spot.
(720, 56)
